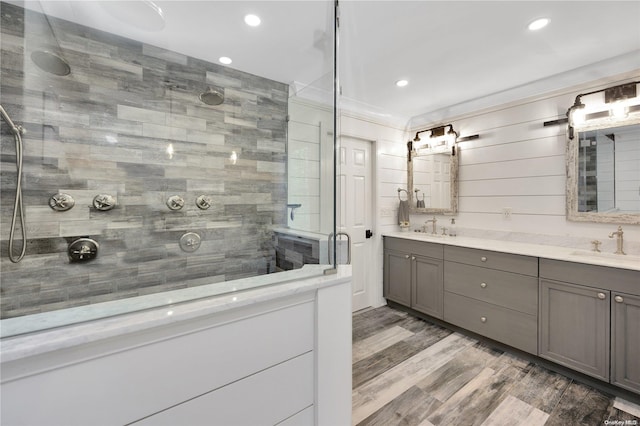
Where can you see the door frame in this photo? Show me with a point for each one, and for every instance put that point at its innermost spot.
(374, 290)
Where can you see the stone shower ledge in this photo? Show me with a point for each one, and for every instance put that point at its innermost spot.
(46, 332)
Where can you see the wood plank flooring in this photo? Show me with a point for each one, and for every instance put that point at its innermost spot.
(407, 371)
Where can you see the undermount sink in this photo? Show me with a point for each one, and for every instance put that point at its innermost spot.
(612, 257)
(429, 234)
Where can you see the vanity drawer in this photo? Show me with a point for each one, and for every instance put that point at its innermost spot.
(495, 322)
(421, 248)
(519, 264)
(513, 291)
(614, 279)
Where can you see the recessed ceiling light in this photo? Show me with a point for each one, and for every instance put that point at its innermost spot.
(402, 83)
(538, 24)
(252, 20)
(225, 60)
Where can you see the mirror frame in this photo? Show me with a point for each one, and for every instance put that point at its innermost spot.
(572, 213)
(453, 209)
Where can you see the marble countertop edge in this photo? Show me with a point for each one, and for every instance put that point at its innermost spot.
(527, 249)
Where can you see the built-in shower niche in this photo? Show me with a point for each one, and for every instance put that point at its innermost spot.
(142, 124)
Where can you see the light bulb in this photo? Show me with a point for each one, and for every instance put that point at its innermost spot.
(619, 111)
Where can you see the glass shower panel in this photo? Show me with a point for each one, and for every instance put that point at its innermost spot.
(182, 170)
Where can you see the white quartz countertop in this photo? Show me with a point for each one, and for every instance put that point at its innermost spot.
(537, 250)
(284, 284)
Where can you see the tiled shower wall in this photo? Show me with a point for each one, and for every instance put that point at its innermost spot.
(127, 121)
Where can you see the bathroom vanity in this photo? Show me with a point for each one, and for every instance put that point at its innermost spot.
(578, 310)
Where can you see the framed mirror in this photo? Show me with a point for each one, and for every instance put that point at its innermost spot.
(603, 174)
(433, 181)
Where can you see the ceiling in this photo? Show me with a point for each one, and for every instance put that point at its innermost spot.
(453, 53)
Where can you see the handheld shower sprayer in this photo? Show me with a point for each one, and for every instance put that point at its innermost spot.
(18, 211)
(15, 129)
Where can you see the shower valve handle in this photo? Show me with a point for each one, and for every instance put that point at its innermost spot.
(104, 202)
(175, 202)
(61, 202)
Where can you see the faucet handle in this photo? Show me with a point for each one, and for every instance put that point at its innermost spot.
(596, 245)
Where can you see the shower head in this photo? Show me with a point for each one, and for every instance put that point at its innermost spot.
(50, 62)
(212, 96)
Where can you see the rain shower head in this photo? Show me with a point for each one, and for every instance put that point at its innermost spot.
(212, 96)
(50, 62)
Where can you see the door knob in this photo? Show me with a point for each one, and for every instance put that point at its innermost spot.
(368, 233)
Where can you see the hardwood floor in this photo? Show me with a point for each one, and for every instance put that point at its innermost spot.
(407, 371)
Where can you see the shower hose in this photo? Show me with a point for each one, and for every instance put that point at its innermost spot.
(17, 206)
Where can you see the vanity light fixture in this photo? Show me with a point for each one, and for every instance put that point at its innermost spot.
(439, 138)
(225, 60)
(402, 83)
(619, 103)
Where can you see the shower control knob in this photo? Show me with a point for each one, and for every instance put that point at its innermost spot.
(175, 202)
(104, 202)
(203, 202)
(190, 242)
(61, 202)
(82, 249)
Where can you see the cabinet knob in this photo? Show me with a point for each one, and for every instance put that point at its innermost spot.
(619, 299)
(483, 285)
(602, 296)
(483, 258)
(483, 319)
(413, 258)
(406, 256)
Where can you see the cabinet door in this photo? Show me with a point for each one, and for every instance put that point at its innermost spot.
(625, 341)
(397, 276)
(574, 327)
(427, 285)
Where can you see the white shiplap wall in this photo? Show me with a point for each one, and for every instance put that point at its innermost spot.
(309, 160)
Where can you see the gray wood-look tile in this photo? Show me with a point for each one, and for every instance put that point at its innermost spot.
(430, 376)
(106, 128)
(410, 408)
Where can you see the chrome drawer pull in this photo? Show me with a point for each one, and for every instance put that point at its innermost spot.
(618, 299)
(413, 258)
(601, 296)
(483, 285)
(483, 319)
(483, 258)
(406, 256)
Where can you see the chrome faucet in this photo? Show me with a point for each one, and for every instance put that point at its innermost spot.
(434, 220)
(619, 240)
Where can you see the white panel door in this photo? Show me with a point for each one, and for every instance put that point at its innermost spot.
(356, 212)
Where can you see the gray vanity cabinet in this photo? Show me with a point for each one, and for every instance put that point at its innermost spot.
(413, 274)
(574, 327)
(397, 276)
(625, 341)
(426, 288)
(590, 320)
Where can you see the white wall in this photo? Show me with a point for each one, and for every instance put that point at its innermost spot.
(310, 164)
(519, 164)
